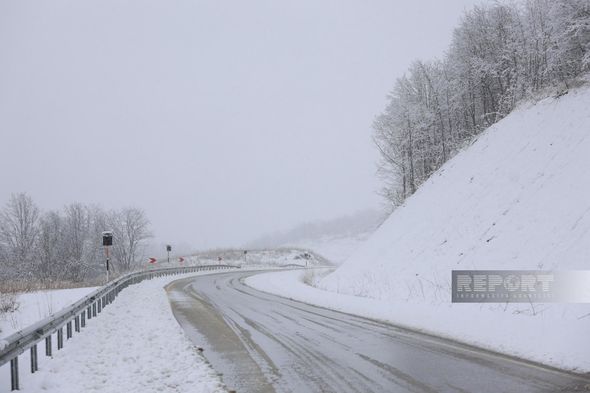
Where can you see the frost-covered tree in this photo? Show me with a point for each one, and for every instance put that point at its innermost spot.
(18, 235)
(66, 245)
(130, 228)
(51, 247)
(500, 54)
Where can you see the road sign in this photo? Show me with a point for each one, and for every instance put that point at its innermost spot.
(107, 241)
(152, 260)
(181, 259)
(107, 238)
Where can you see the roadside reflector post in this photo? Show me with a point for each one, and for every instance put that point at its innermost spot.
(34, 364)
(107, 241)
(14, 374)
(60, 338)
(48, 346)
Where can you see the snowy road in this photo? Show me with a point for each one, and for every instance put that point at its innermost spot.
(264, 343)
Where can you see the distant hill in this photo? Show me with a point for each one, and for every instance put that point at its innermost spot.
(334, 239)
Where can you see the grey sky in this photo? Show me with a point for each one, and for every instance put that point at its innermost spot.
(222, 119)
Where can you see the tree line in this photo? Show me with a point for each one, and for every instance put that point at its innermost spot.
(66, 245)
(500, 54)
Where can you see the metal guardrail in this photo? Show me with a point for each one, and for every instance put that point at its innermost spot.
(87, 308)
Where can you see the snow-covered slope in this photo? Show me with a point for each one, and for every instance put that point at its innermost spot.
(518, 198)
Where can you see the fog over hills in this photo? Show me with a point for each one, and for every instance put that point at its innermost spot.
(334, 239)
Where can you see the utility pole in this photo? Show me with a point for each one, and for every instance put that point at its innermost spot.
(107, 241)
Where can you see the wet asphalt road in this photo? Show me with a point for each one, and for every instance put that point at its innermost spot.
(265, 343)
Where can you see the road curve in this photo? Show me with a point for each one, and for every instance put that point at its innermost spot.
(265, 343)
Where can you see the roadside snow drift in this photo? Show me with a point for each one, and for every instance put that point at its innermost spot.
(35, 306)
(134, 345)
(517, 198)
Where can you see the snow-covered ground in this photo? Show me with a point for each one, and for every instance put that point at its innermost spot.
(34, 306)
(134, 345)
(517, 198)
(258, 258)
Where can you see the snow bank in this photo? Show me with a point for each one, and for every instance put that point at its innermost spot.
(517, 198)
(134, 345)
(35, 306)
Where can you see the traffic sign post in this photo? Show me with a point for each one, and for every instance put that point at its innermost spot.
(168, 249)
(107, 241)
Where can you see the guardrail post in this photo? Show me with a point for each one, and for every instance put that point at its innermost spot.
(14, 374)
(69, 330)
(60, 338)
(77, 324)
(89, 312)
(48, 345)
(98, 305)
(34, 364)
(94, 309)
(83, 318)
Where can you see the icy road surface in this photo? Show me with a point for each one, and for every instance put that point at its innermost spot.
(265, 343)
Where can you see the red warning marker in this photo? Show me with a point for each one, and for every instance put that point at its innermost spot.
(181, 259)
(152, 260)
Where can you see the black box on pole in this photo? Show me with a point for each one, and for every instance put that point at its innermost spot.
(107, 238)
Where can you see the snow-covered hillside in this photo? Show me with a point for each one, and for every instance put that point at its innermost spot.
(518, 198)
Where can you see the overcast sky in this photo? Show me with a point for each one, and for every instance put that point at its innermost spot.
(223, 120)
